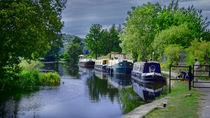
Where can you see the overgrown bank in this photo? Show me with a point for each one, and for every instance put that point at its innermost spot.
(182, 103)
(29, 78)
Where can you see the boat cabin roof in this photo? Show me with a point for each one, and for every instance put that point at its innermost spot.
(147, 67)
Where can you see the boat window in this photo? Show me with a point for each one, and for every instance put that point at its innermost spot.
(152, 67)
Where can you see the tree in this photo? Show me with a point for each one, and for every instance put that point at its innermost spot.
(92, 39)
(174, 35)
(173, 51)
(199, 49)
(103, 41)
(139, 30)
(74, 50)
(114, 41)
(149, 20)
(28, 29)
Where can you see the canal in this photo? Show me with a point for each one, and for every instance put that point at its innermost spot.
(83, 93)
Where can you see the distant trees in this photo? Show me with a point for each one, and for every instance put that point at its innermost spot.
(103, 41)
(28, 29)
(151, 27)
(74, 50)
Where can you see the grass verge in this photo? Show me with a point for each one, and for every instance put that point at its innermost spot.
(179, 105)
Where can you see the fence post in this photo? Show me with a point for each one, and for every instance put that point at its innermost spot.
(169, 78)
(190, 76)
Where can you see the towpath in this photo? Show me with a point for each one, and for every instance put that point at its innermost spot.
(204, 110)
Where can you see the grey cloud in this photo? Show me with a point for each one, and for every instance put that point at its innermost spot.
(79, 15)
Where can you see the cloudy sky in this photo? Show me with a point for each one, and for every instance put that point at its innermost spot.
(79, 15)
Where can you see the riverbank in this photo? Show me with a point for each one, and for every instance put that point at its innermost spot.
(182, 103)
(28, 77)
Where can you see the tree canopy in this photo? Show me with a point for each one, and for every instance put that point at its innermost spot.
(103, 41)
(74, 50)
(28, 29)
(146, 25)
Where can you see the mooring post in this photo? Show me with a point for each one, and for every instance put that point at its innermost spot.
(169, 78)
(190, 76)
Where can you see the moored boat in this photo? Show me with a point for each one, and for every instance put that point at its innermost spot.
(119, 64)
(84, 62)
(147, 72)
(101, 65)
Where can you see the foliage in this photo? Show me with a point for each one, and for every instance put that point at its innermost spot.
(74, 50)
(30, 65)
(145, 26)
(28, 29)
(199, 49)
(49, 79)
(139, 32)
(92, 39)
(172, 51)
(29, 78)
(180, 35)
(103, 41)
(64, 56)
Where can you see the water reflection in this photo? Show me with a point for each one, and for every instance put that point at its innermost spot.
(98, 88)
(147, 92)
(83, 93)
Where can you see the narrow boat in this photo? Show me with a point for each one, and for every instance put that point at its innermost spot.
(118, 64)
(84, 62)
(147, 72)
(101, 65)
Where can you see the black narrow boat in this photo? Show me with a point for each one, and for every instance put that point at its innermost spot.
(147, 72)
(87, 63)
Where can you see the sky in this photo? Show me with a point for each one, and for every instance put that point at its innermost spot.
(79, 15)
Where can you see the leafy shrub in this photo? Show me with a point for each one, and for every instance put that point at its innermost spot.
(49, 79)
(199, 50)
(172, 51)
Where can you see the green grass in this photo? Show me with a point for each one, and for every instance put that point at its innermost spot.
(179, 106)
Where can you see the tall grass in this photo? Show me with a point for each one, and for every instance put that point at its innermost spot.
(29, 78)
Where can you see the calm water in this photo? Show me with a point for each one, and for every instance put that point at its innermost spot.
(83, 93)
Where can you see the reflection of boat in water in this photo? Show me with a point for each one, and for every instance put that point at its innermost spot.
(148, 72)
(84, 62)
(119, 81)
(147, 91)
(100, 75)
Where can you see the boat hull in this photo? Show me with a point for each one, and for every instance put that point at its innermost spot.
(88, 64)
(121, 68)
(149, 78)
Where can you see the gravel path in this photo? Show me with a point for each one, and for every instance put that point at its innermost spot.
(204, 110)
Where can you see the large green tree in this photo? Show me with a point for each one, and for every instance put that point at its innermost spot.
(92, 39)
(180, 35)
(148, 20)
(139, 30)
(103, 41)
(28, 29)
(74, 50)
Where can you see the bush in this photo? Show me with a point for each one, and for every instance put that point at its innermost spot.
(200, 50)
(172, 51)
(49, 79)
(29, 78)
